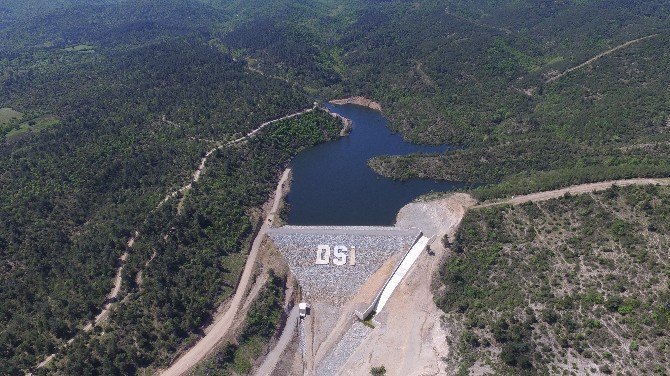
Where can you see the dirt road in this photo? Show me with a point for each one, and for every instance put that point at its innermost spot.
(203, 161)
(603, 54)
(222, 324)
(272, 358)
(111, 297)
(576, 189)
(109, 302)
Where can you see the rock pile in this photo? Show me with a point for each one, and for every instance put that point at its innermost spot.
(347, 345)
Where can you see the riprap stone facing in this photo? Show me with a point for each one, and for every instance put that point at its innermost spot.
(338, 283)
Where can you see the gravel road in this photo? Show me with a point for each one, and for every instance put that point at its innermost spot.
(271, 360)
(222, 324)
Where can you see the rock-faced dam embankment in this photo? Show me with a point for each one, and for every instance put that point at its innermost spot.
(341, 271)
(372, 248)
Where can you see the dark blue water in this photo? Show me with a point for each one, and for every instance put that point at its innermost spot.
(333, 185)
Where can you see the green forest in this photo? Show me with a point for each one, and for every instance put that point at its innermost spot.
(607, 120)
(134, 115)
(573, 285)
(108, 105)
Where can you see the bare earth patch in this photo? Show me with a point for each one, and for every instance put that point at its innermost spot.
(361, 101)
(412, 339)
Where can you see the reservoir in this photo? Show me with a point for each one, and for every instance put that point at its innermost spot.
(333, 185)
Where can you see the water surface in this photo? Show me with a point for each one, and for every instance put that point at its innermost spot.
(333, 185)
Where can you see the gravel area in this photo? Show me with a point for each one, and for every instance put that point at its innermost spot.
(301, 337)
(347, 345)
(331, 283)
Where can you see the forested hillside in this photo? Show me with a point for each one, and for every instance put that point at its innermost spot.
(489, 76)
(609, 120)
(575, 285)
(516, 121)
(135, 110)
(198, 254)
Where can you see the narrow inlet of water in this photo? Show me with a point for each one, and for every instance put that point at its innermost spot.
(333, 185)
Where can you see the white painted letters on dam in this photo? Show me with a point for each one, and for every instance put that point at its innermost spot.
(340, 255)
(322, 255)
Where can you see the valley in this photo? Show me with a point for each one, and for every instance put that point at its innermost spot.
(453, 187)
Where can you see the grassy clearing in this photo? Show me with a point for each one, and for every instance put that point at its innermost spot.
(35, 125)
(8, 115)
(80, 48)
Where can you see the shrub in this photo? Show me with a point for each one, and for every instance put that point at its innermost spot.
(612, 304)
(378, 371)
(549, 316)
(606, 369)
(445, 241)
(516, 354)
(470, 338)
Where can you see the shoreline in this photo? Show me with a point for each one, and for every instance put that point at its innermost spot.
(358, 100)
(347, 124)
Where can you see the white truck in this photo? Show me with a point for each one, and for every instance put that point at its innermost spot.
(302, 309)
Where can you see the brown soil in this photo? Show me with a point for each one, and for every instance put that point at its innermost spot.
(361, 101)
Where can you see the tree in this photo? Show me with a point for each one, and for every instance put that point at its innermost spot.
(378, 371)
(445, 241)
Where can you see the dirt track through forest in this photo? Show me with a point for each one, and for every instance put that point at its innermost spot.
(576, 189)
(116, 288)
(600, 55)
(203, 161)
(273, 357)
(223, 322)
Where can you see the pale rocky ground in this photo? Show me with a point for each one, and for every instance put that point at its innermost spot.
(337, 284)
(412, 339)
(360, 101)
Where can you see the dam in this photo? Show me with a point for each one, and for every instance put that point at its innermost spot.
(346, 274)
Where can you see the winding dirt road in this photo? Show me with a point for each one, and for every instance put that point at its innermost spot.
(222, 324)
(116, 288)
(600, 55)
(272, 358)
(109, 302)
(203, 161)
